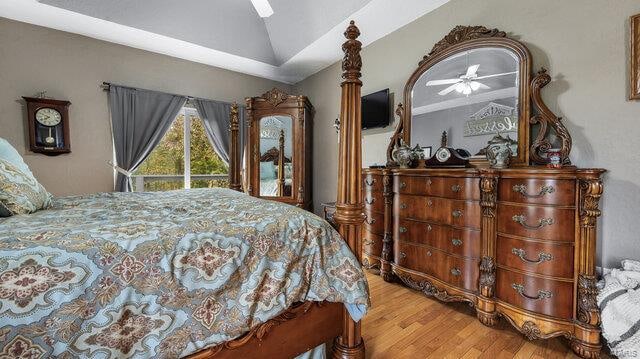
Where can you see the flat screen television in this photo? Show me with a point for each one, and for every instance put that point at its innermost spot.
(375, 109)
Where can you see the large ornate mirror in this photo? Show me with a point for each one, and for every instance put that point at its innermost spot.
(276, 169)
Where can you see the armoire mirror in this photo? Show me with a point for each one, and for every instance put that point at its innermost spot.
(276, 156)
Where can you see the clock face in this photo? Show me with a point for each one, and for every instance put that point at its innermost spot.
(48, 117)
(443, 154)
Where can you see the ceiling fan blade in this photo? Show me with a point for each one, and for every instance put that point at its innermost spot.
(479, 85)
(471, 71)
(448, 89)
(443, 82)
(496, 75)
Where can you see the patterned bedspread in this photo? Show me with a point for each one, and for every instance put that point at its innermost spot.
(117, 275)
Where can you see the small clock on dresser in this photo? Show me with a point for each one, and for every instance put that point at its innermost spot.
(48, 123)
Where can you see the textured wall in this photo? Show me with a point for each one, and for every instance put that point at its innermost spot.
(583, 43)
(71, 67)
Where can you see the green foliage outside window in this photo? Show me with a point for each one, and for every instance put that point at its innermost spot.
(168, 159)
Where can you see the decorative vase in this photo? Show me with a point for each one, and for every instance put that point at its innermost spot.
(499, 152)
(403, 155)
(418, 152)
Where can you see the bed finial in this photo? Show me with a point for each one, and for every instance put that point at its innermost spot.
(349, 209)
(234, 149)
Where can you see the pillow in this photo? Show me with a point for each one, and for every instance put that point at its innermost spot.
(21, 193)
(267, 170)
(9, 153)
(288, 170)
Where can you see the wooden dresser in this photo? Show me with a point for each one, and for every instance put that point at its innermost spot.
(374, 208)
(514, 243)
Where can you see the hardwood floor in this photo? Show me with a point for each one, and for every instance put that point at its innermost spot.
(406, 324)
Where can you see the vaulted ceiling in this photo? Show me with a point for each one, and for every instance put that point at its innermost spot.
(299, 39)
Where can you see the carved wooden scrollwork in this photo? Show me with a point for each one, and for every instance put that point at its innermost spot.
(591, 191)
(487, 276)
(275, 96)
(459, 34)
(588, 311)
(547, 120)
(397, 136)
(429, 289)
(488, 195)
(352, 62)
(367, 264)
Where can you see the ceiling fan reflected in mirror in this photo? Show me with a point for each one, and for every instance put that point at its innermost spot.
(467, 83)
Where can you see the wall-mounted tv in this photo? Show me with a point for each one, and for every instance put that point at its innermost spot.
(375, 109)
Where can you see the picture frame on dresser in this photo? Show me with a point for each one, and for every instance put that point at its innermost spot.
(515, 243)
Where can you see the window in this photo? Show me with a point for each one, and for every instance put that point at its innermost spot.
(184, 158)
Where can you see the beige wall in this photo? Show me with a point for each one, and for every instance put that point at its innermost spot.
(71, 67)
(583, 43)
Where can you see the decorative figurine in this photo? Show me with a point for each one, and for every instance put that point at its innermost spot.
(418, 152)
(403, 155)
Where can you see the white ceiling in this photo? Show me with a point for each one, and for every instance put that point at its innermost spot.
(299, 39)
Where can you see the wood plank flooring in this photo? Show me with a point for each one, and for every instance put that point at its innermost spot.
(406, 324)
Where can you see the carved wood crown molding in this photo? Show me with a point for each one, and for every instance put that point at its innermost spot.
(460, 34)
(275, 96)
(351, 62)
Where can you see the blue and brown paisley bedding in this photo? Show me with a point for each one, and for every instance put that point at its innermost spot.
(117, 275)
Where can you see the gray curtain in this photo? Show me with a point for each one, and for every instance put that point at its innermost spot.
(139, 119)
(215, 117)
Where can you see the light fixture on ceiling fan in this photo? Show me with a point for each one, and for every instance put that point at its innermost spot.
(262, 7)
(467, 83)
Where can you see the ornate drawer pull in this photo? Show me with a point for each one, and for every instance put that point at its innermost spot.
(403, 255)
(456, 188)
(456, 242)
(429, 203)
(370, 220)
(542, 256)
(403, 206)
(369, 200)
(429, 182)
(522, 220)
(455, 271)
(403, 185)
(369, 242)
(369, 181)
(457, 213)
(522, 189)
(403, 229)
(542, 294)
(429, 228)
(428, 253)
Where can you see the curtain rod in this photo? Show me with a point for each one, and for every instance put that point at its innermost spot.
(107, 85)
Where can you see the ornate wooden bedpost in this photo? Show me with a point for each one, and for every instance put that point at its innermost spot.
(349, 209)
(234, 149)
(281, 159)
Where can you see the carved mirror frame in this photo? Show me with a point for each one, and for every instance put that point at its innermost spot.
(531, 108)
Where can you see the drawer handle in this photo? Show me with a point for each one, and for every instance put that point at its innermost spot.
(403, 185)
(428, 253)
(456, 188)
(429, 228)
(403, 206)
(457, 213)
(542, 256)
(455, 271)
(403, 229)
(522, 189)
(369, 200)
(429, 203)
(522, 220)
(403, 255)
(429, 182)
(369, 242)
(369, 181)
(542, 294)
(456, 242)
(370, 220)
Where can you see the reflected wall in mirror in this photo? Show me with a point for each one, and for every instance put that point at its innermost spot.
(473, 95)
(276, 158)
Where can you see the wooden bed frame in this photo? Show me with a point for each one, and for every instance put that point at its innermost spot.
(309, 324)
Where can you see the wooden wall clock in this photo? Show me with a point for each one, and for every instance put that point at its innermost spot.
(48, 125)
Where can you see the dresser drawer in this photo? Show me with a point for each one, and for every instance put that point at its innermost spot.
(372, 243)
(537, 191)
(550, 223)
(547, 258)
(456, 271)
(438, 210)
(465, 214)
(540, 295)
(374, 222)
(418, 185)
(413, 257)
(419, 232)
(373, 201)
(372, 182)
(456, 188)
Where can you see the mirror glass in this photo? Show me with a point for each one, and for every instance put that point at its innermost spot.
(276, 167)
(473, 95)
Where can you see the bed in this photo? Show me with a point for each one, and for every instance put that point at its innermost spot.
(199, 273)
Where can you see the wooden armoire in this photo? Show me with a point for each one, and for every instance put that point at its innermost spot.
(278, 148)
(516, 243)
